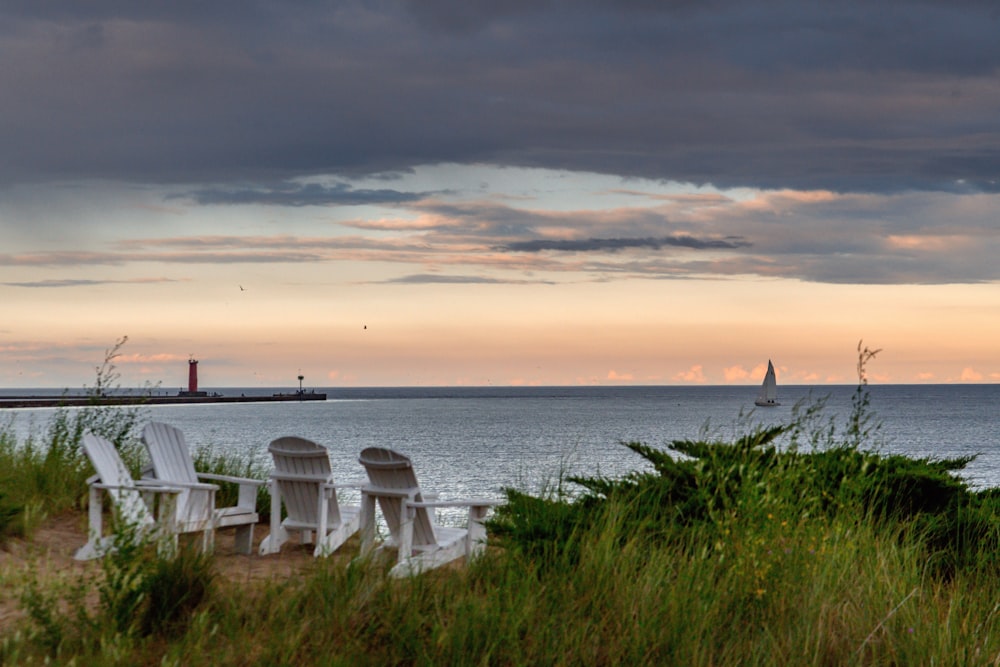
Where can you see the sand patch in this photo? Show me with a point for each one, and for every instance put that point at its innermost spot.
(48, 556)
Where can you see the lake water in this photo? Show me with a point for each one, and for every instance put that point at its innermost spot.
(473, 442)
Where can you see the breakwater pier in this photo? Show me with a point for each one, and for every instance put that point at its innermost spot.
(79, 400)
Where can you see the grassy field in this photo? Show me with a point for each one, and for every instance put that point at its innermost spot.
(793, 545)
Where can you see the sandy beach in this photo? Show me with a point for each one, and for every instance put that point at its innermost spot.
(49, 554)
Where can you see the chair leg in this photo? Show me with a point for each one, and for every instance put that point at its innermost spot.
(93, 547)
(244, 539)
(475, 541)
(407, 516)
(272, 543)
(323, 512)
(165, 530)
(166, 546)
(278, 536)
(95, 511)
(208, 540)
(367, 523)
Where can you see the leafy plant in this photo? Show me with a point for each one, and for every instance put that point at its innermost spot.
(717, 486)
(10, 518)
(144, 590)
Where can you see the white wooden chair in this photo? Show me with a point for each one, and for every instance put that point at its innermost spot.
(127, 497)
(172, 464)
(421, 544)
(302, 480)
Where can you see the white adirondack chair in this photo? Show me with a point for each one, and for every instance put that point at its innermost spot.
(421, 544)
(127, 497)
(302, 480)
(172, 464)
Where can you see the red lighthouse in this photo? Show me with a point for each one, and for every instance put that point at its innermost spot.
(192, 376)
(192, 390)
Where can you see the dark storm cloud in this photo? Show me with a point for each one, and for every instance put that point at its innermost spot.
(594, 245)
(311, 194)
(848, 96)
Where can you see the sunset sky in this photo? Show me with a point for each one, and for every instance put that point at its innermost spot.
(478, 192)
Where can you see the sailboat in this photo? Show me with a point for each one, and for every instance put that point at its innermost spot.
(768, 396)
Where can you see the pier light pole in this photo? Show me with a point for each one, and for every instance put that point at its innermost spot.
(301, 378)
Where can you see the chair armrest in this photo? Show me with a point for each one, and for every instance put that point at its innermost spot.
(144, 484)
(348, 485)
(389, 493)
(234, 480)
(155, 488)
(298, 477)
(476, 502)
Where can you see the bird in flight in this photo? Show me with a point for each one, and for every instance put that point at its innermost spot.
(241, 288)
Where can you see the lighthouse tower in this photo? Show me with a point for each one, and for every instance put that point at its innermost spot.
(192, 376)
(192, 390)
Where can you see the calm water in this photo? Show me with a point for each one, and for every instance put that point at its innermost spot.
(475, 441)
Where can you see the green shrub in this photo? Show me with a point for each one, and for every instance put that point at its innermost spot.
(717, 487)
(11, 518)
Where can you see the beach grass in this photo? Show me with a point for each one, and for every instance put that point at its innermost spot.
(773, 593)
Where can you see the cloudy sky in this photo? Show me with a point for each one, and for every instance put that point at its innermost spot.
(445, 192)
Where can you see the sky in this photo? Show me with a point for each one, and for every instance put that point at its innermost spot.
(499, 192)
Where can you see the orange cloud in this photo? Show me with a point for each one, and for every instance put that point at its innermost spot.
(735, 373)
(163, 357)
(774, 200)
(616, 377)
(971, 375)
(421, 222)
(926, 242)
(693, 374)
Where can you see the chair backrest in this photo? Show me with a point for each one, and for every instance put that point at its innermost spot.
(392, 471)
(171, 458)
(112, 471)
(168, 450)
(172, 462)
(309, 464)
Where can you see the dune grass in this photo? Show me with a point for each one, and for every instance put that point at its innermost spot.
(792, 545)
(46, 475)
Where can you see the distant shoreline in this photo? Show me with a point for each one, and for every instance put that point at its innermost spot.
(82, 400)
(788, 394)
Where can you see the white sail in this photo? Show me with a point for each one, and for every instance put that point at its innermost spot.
(768, 395)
